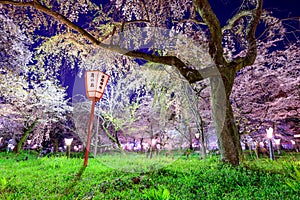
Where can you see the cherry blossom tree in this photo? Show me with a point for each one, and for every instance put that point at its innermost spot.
(268, 95)
(13, 42)
(218, 53)
(35, 106)
(27, 101)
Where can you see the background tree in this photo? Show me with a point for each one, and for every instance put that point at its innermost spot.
(114, 113)
(268, 95)
(14, 46)
(32, 108)
(25, 97)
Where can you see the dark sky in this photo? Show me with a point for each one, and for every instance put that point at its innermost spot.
(283, 8)
(280, 8)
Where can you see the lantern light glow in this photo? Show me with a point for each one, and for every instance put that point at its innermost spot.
(68, 141)
(277, 141)
(269, 132)
(270, 136)
(293, 142)
(297, 135)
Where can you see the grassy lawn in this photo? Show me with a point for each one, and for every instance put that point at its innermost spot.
(132, 176)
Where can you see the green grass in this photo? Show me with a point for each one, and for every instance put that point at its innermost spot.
(132, 176)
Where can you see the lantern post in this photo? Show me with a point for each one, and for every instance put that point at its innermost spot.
(277, 143)
(68, 142)
(95, 82)
(270, 136)
(28, 142)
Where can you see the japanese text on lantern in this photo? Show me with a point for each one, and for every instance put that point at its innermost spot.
(95, 82)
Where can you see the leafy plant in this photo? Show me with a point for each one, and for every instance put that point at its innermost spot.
(294, 183)
(3, 182)
(158, 194)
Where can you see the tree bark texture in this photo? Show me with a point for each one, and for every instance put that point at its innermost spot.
(202, 141)
(225, 127)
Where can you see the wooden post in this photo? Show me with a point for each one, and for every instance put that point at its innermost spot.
(95, 82)
(88, 142)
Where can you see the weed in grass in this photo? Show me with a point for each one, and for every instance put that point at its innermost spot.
(3, 182)
(157, 194)
(294, 183)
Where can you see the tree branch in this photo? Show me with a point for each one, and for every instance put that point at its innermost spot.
(147, 13)
(132, 22)
(36, 4)
(213, 23)
(191, 75)
(194, 20)
(251, 54)
(235, 18)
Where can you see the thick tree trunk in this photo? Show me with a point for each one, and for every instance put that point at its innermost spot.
(23, 138)
(202, 141)
(113, 137)
(117, 140)
(191, 139)
(97, 139)
(55, 145)
(141, 143)
(226, 130)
